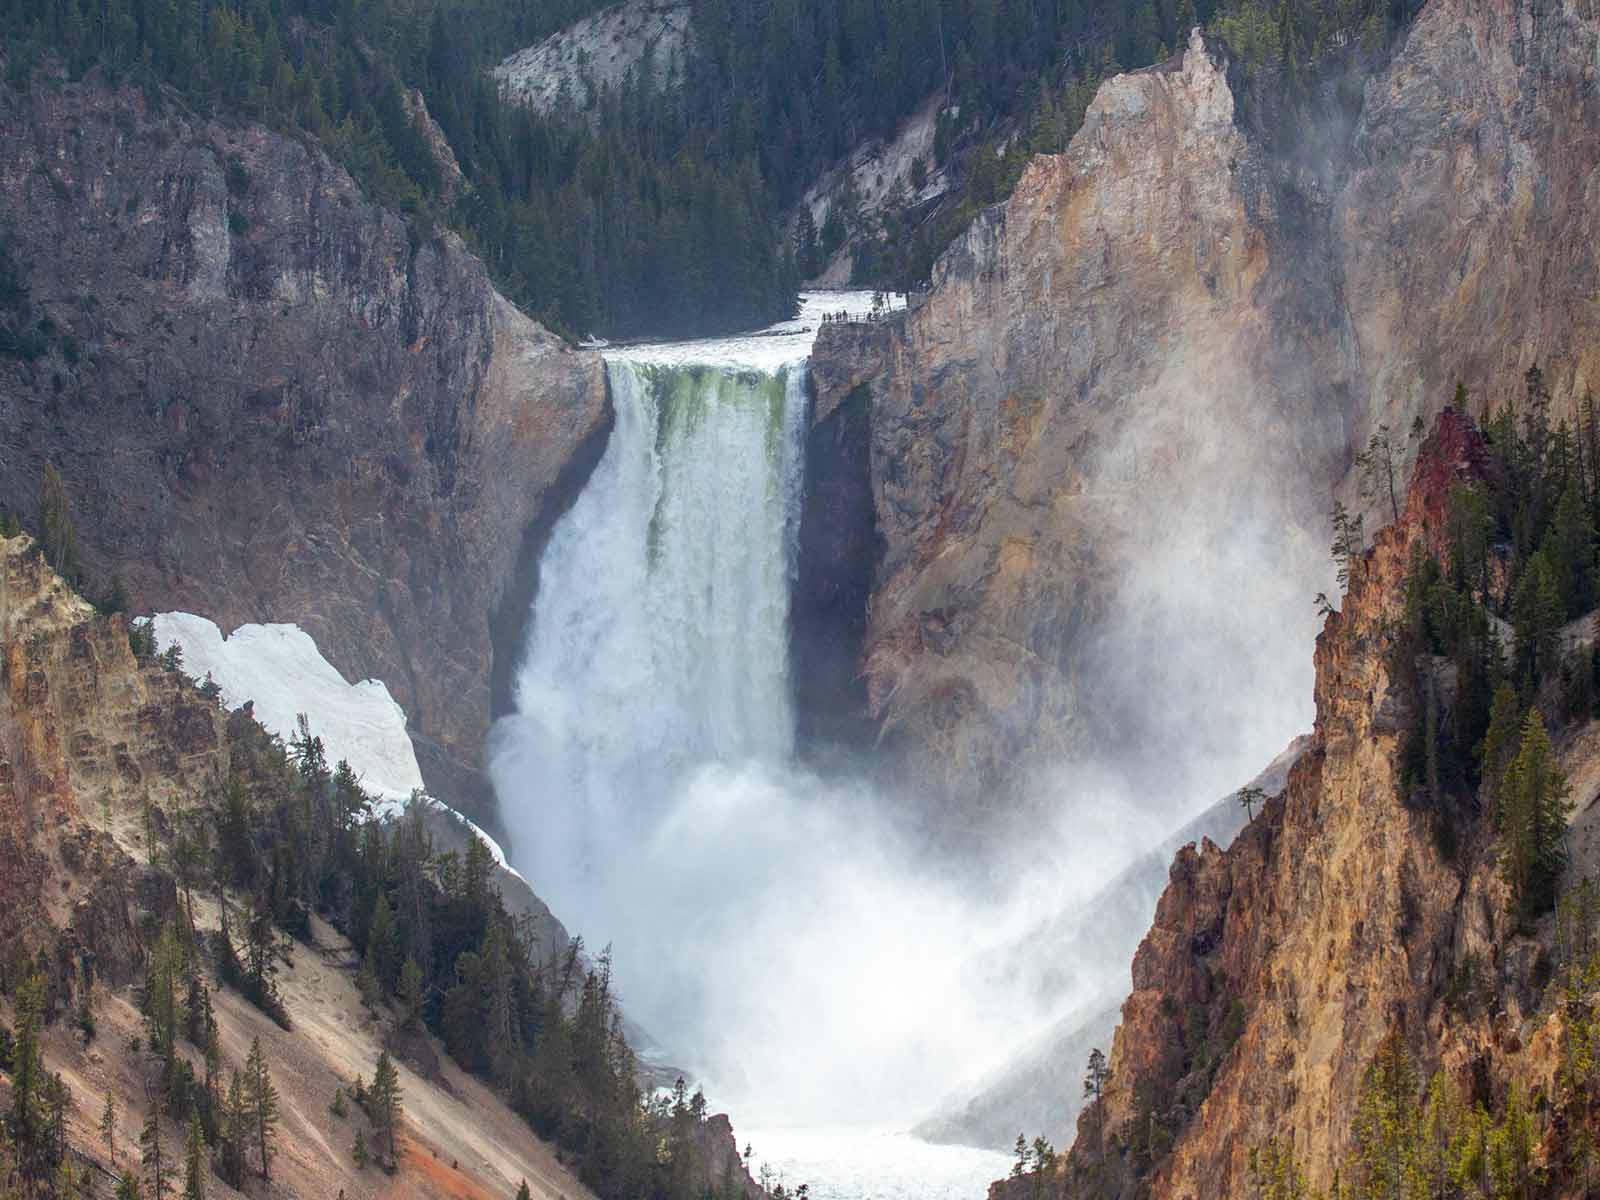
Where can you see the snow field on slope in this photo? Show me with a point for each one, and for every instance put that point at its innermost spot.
(280, 670)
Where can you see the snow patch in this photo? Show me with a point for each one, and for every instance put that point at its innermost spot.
(279, 669)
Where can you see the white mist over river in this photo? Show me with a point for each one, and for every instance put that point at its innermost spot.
(771, 929)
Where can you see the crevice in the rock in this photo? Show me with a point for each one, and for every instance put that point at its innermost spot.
(512, 614)
(839, 552)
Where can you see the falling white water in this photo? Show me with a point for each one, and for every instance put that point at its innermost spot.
(659, 643)
(764, 924)
(770, 929)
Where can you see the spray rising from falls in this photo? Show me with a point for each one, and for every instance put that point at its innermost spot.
(772, 930)
(768, 927)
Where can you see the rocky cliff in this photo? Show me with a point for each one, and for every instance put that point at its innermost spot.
(1330, 920)
(573, 68)
(1467, 226)
(274, 401)
(1179, 326)
(102, 755)
(109, 762)
(1275, 968)
(1055, 466)
(1349, 912)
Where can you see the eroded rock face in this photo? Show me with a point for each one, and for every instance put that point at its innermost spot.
(86, 731)
(1469, 228)
(1170, 330)
(1274, 969)
(271, 400)
(571, 69)
(1113, 404)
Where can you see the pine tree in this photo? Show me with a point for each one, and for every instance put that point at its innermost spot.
(235, 1132)
(358, 1151)
(410, 994)
(1379, 465)
(1500, 740)
(1533, 811)
(85, 1014)
(57, 1103)
(383, 945)
(1349, 540)
(1536, 616)
(1247, 799)
(383, 1102)
(261, 1103)
(522, 1191)
(158, 1001)
(806, 251)
(72, 1183)
(1431, 1165)
(1275, 1173)
(108, 1127)
(1387, 1124)
(1470, 528)
(150, 1152)
(27, 1077)
(1569, 548)
(194, 1162)
(213, 1060)
(1095, 1080)
(1510, 1148)
(57, 537)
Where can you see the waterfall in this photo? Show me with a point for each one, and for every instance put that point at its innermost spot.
(772, 929)
(659, 643)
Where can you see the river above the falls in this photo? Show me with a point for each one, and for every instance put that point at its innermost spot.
(784, 344)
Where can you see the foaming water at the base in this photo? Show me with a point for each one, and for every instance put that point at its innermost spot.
(867, 1164)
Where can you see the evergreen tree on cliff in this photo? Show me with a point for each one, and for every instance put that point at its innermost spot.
(1534, 805)
(57, 536)
(1536, 616)
(261, 1104)
(383, 1103)
(150, 1152)
(28, 1079)
(1388, 1121)
(194, 1162)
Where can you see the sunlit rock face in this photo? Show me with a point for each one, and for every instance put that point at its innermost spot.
(282, 405)
(1171, 331)
(1332, 919)
(1100, 451)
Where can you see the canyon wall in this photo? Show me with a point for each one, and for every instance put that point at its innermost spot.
(1468, 226)
(102, 757)
(1126, 375)
(272, 400)
(1275, 968)
(1179, 316)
